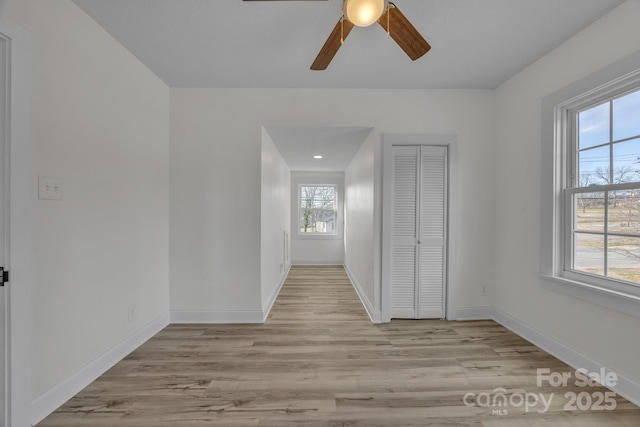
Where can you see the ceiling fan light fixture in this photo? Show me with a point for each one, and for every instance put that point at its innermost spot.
(363, 13)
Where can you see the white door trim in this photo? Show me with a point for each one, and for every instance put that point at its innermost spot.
(18, 290)
(4, 217)
(451, 142)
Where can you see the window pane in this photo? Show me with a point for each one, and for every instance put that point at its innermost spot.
(624, 212)
(317, 197)
(626, 156)
(589, 253)
(594, 126)
(603, 150)
(317, 221)
(626, 116)
(624, 258)
(589, 211)
(317, 209)
(594, 166)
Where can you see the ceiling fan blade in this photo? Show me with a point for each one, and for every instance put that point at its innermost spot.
(404, 34)
(331, 46)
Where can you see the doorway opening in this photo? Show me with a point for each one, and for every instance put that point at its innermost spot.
(303, 197)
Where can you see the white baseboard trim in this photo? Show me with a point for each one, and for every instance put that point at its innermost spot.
(473, 313)
(374, 315)
(216, 316)
(626, 387)
(274, 296)
(52, 399)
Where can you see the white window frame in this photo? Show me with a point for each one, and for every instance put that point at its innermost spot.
(557, 163)
(335, 211)
(569, 115)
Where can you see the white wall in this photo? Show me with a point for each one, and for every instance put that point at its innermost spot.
(215, 270)
(598, 333)
(275, 232)
(310, 250)
(101, 125)
(215, 181)
(362, 227)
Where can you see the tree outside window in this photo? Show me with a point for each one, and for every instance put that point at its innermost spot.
(317, 209)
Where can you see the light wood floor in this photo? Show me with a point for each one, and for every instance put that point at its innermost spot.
(318, 361)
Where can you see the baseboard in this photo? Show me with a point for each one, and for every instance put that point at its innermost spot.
(274, 295)
(55, 397)
(374, 315)
(626, 387)
(216, 316)
(473, 313)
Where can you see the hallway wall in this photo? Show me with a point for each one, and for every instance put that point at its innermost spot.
(275, 217)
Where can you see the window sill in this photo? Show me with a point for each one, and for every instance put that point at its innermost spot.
(316, 237)
(615, 300)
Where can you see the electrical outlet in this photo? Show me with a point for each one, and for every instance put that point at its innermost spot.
(484, 290)
(131, 313)
(49, 188)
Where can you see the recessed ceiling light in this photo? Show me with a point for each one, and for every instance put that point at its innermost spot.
(317, 157)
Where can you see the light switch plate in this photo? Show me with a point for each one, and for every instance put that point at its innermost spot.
(50, 188)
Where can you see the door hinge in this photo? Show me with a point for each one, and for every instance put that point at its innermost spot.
(4, 276)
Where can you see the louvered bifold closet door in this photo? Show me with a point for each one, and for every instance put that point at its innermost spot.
(432, 227)
(404, 231)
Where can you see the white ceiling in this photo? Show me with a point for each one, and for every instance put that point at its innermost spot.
(336, 145)
(476, 44)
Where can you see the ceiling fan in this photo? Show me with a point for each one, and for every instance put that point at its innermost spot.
(363, 13)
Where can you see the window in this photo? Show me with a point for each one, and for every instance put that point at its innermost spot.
(599, 238)
(317, 209)
(590, 187)
(603, 218)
